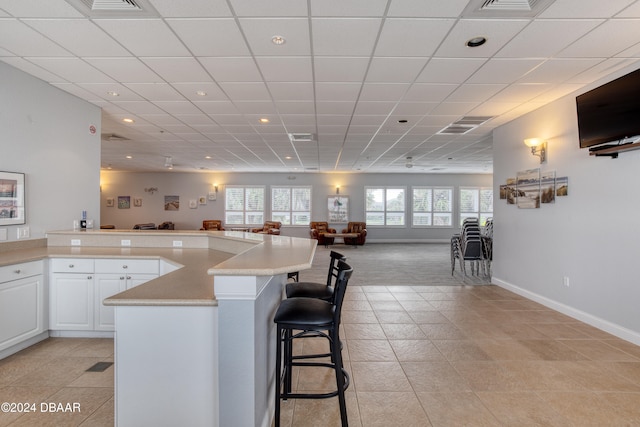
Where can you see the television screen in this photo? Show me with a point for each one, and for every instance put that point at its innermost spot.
(611, 112)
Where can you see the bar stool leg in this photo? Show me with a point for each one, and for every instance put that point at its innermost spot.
(336, 354)
(278, 378)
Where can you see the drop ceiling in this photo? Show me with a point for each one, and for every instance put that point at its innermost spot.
(197, 76)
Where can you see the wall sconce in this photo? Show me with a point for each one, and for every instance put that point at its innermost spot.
(151, 190)
(215, 187)
(538, 148)
(337, 189)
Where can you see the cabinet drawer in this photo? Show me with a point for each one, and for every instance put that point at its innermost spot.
(18, 271)
(72, 265)
(127, 265)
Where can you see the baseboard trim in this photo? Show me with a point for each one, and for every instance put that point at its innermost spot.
(612, 328)
(24, 344)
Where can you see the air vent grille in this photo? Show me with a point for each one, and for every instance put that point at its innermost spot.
(464, 125)
(113, 137)
(505, 8)
(120, 9)
(301, 137)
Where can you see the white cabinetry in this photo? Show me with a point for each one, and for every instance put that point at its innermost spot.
(71, 294)
(114, 276)
(21, 303)
(79, 286)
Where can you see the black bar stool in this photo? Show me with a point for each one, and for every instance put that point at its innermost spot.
(313, 289)
(299, 317)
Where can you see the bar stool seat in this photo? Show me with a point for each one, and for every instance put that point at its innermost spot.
(300, 317)
(313, 289)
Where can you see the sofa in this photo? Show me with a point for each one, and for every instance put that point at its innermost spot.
(145, 226)
(317, 230)
(355, 227)
(212, 224)
(269, 227)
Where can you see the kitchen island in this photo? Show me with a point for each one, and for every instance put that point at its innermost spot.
(196, 345)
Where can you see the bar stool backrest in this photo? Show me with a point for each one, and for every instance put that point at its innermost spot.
(342, 279)
(333, 266)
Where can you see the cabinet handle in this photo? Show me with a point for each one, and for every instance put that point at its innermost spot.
(128, 277)
(125, 266)
(121, 277)
(71, 265)
(89, 277)
(18, 271)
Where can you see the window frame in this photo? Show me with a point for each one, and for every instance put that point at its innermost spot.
(432, 212)
(482, 215)
(385, 212)
(291, 211)
(245, 211)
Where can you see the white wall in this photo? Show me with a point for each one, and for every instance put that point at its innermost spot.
(590, 236)
(45, 135)
(192, 185)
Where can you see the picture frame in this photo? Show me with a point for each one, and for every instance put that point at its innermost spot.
(12, 198)
(110, 202)
(213, 195)
(171, 203)
(528, 189)
(193, 204)
(338, 208)
(124, 202)
(202, 200)
(137, 202)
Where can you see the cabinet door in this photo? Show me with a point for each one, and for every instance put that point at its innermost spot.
(21, 310)
(71, 302)
(107, 285)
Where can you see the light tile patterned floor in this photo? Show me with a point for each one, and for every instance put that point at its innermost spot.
(419, 352)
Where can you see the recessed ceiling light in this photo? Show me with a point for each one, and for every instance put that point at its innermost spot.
(128, 120)
(278, 40)
(201, 93)
(129, 157)
(207, 157)
(113, 93)
(288, 157)
(264, 120)
(476, 41)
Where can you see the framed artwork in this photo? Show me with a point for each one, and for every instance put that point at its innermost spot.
(548, 187)
(562, 186)
(213, 195)
(12, 209)
(528, 189)
(171, 203)
(193, 204)
(110, 202)
(137, 202)
(202, 200)
(124, 202)
(338, 207)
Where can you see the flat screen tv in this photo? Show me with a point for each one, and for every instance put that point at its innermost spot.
(611, 112)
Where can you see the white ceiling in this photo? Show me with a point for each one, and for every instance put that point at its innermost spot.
(348, 71)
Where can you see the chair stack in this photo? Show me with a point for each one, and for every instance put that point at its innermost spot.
(301, 317)
(468, 246)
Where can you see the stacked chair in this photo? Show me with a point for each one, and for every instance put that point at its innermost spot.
(312, 310)
(468, 246)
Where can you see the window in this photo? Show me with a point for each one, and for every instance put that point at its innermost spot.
(244, 205)
(432, 207)
(291, 205)
(476, 203)
(385, 206)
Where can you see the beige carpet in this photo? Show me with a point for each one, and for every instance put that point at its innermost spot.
(398, 264)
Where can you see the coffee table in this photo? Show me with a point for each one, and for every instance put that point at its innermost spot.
(342, 235)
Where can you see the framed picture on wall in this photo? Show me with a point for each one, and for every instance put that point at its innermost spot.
(110, 202)
(12, 209)
(338, 207)
(137, 202)
(124, 202)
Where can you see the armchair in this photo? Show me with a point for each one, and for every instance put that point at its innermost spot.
(317, 230)
(212, 225)
(167, 225)
(269, 227)
(355, 227)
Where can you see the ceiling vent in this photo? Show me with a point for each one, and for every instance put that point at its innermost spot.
(113, 137)
(301, 137)
(464, 125)
(505, 8)
(114, 8)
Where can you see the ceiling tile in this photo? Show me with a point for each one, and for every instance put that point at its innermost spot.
(176, 70)
(125, 70)
(210, 37)
(340, 69)
(210, 91)
(271, 8)
(260, 32)
(291, 91)
(144, 37)
(285, 69)
(412, 37)
(497, 32)
(449, 70)
(246, 91)
(72, 69)
(237, 69)
(504, 70)
(17, 37)
(155, 91)
(383, 91)
(584, 8)
(191, 8)
(351, 8)
(395, 69)
(40, 9)
(344, 36)
(428, 92)
(612, 36)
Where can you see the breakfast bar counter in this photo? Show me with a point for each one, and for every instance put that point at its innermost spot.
(195, 346)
